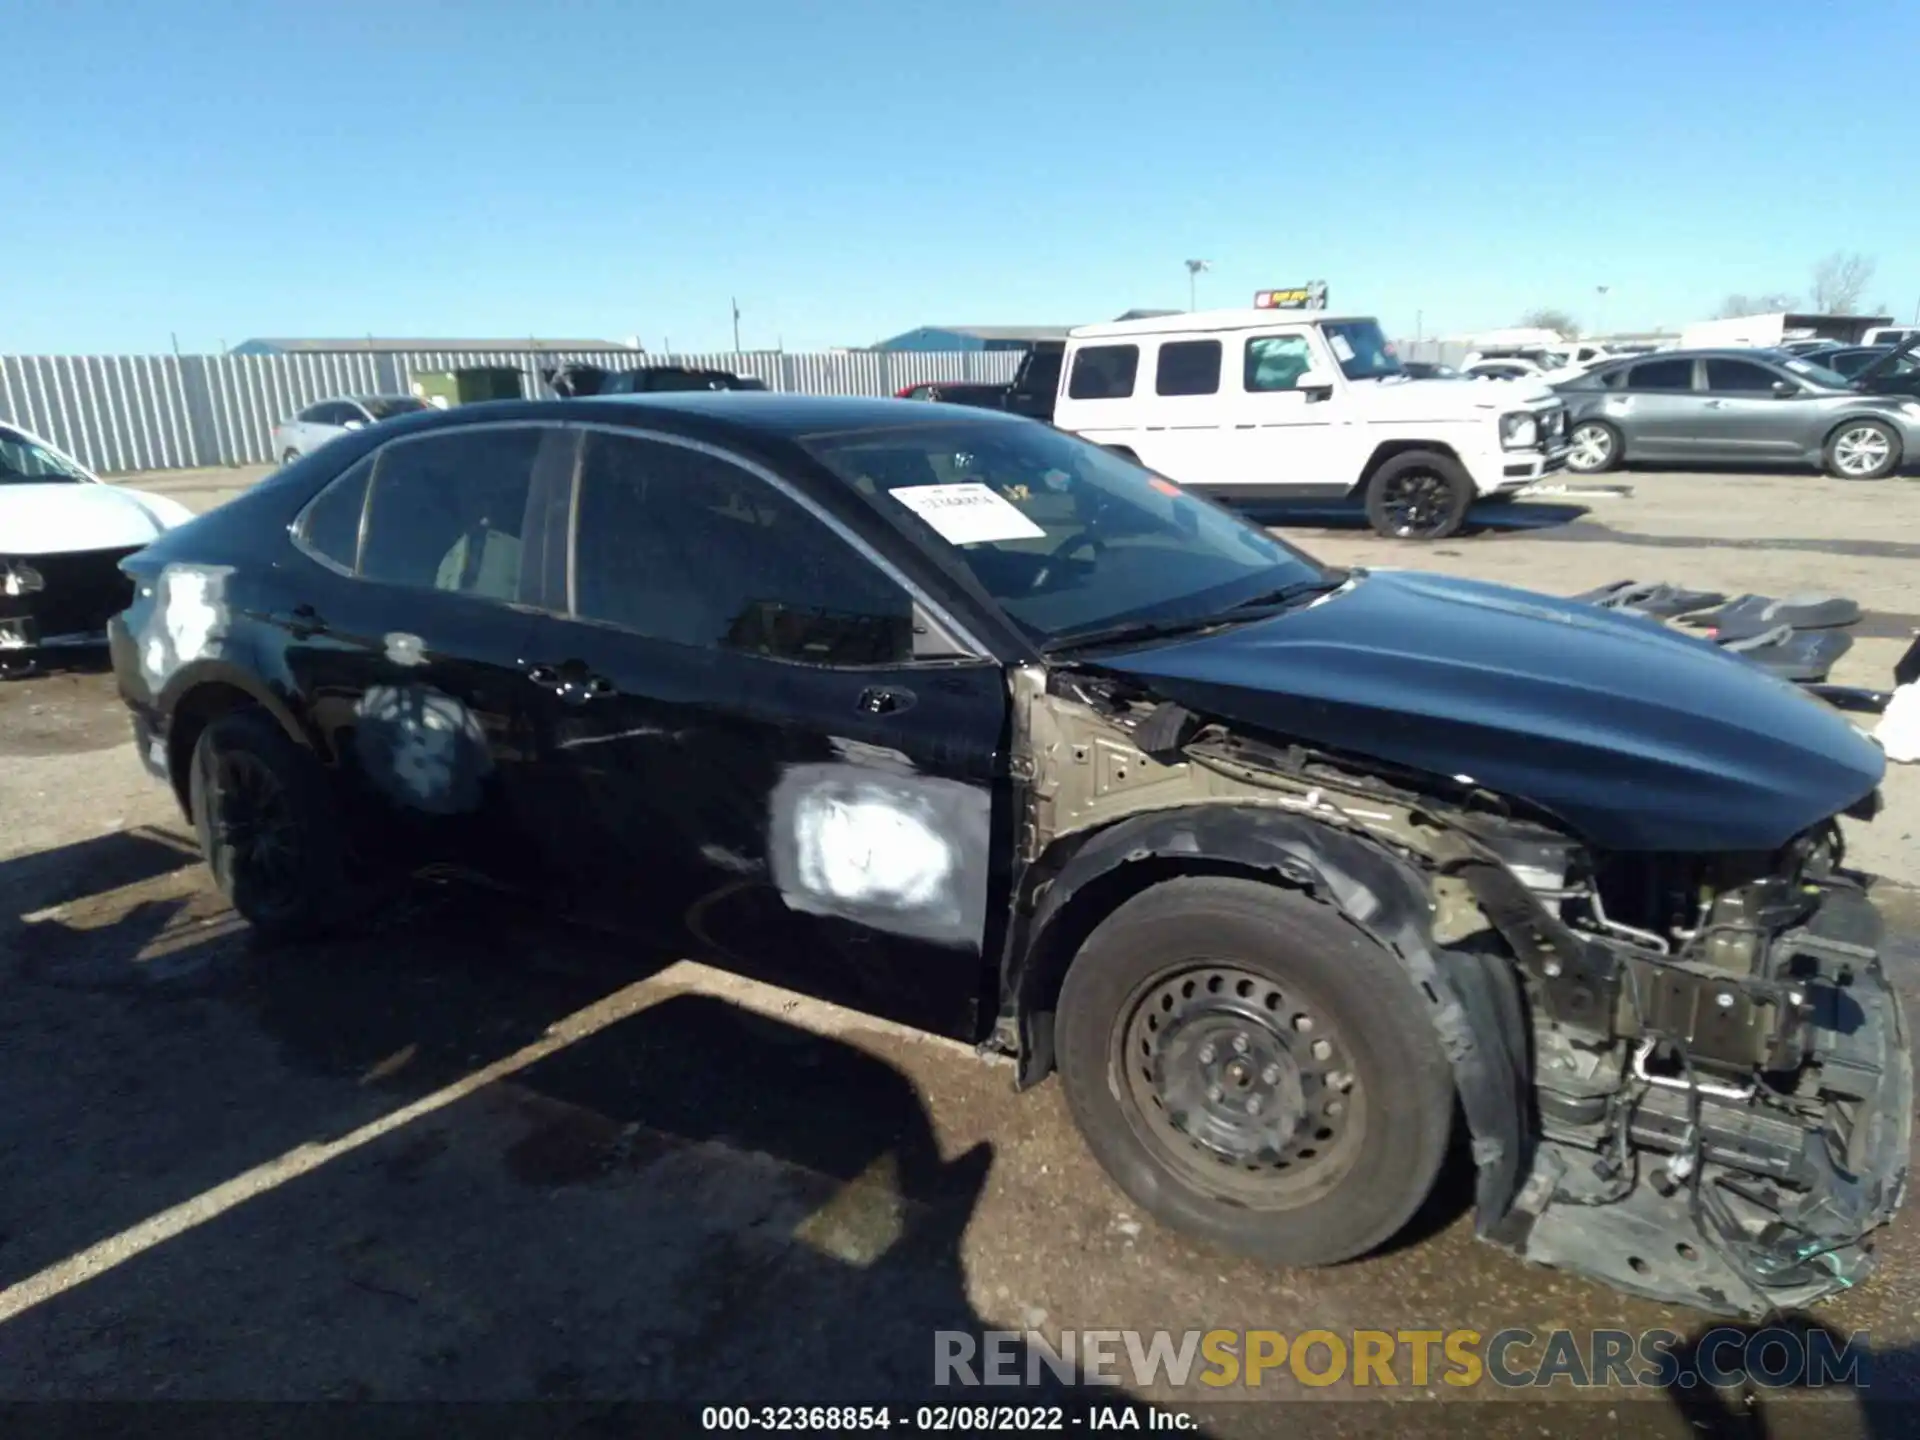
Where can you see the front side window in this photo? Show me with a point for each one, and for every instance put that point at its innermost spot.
(1740, 377)
(28, 462)
(1817, 374)
(1661, 375)
(447, 512)
(1063, 535)
(1276, 362)
(680, 545)
(1188, 367)
(385, 407)
(1104, 372)
(1362, 349)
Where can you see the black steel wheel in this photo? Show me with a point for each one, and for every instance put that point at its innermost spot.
(1245, 1084)
(267, 827)
(1419, 495)
(1254, 1070)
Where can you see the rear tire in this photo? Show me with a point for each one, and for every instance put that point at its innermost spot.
(268, 828)
(1419, 495)
(1593, 448)
(1862, 450)
(1204, 994)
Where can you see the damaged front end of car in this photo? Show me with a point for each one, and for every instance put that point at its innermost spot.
(1686, 1075)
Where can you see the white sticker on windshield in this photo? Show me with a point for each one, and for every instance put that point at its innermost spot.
(967, 514)
(1342, 351)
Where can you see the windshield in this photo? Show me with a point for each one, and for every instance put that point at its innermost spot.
(1818, 374)
(385, 407)
(28, 462)
(1065, 536)
(1362, 348)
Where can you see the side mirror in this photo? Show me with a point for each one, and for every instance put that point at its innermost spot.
(1314, 378)
(1785, 389)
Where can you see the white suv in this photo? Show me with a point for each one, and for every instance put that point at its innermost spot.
(1265, 405)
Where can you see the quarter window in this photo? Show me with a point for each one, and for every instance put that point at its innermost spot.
(448, 512)
(1104, 372)
(679, 545)
(1661, 375)
(330, 527)
(1188, 367)
(1276, 362)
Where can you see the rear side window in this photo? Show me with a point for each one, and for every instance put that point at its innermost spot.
(682, 546)
(1661, 375)
(447, 512)
(1188, 367)
(330, 528)
(1104, 372)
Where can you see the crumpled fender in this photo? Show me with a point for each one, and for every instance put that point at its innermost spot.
(1474, 998)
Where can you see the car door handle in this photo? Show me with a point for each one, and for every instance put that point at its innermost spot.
(570, 680)
(884, 700)
(300, 622)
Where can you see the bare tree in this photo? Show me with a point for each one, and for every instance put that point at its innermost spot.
(1547, 318)
(1840, 280)
(1736, 305)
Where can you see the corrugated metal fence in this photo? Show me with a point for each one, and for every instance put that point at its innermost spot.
(119, 413)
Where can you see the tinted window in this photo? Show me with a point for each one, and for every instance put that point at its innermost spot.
(1661, 375)
(1742, 376)
(447, 512)
(1065, 536)
(1188, 367)
(314, 414)
(1104, 372)
(682, 546)
(331, 525)
(1276, 362)
(385, 407)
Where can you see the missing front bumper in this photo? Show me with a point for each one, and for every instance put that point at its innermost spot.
(1729, 1238)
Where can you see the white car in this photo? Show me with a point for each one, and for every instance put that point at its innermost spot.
(1266, 404)
(322, 421)
(63, 534)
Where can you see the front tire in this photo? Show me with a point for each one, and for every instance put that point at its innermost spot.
(1862, 450)
(1593, 448)
(1420, 495)
(1253, 1070)
(268, 829)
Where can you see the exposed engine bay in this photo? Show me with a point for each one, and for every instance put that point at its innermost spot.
(1713, 1066)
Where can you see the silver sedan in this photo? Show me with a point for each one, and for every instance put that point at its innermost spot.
(1734, 407)
(326, 419)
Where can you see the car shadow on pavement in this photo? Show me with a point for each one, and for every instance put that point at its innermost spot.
(1495, 517)
(466, 1155)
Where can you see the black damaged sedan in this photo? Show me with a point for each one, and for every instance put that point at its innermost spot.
(949, 716)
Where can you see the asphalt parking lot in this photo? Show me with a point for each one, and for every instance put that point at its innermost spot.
(474, 1156)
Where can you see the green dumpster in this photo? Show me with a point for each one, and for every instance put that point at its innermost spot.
(462, 387)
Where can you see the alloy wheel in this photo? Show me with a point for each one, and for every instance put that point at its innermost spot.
(256, 830)
(1591, 448)
(1861, 450)
(1417, 503)
(1242, 1086)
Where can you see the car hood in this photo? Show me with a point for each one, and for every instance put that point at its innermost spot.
(55, 518)
(1637, 736)
(1451, 399)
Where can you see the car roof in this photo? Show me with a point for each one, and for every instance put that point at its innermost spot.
(764, 414)
(1192, 321)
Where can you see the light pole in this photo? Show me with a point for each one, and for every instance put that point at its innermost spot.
(1601, 291)
(1195, 268)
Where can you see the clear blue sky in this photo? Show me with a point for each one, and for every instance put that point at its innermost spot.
(852, 169)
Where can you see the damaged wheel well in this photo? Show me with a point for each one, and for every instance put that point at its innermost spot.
(1063, 932)
(192, 713)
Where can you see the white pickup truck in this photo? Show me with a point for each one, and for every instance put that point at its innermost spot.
(1267, 404)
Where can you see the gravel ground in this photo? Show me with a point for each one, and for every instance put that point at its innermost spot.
(474, 1156)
